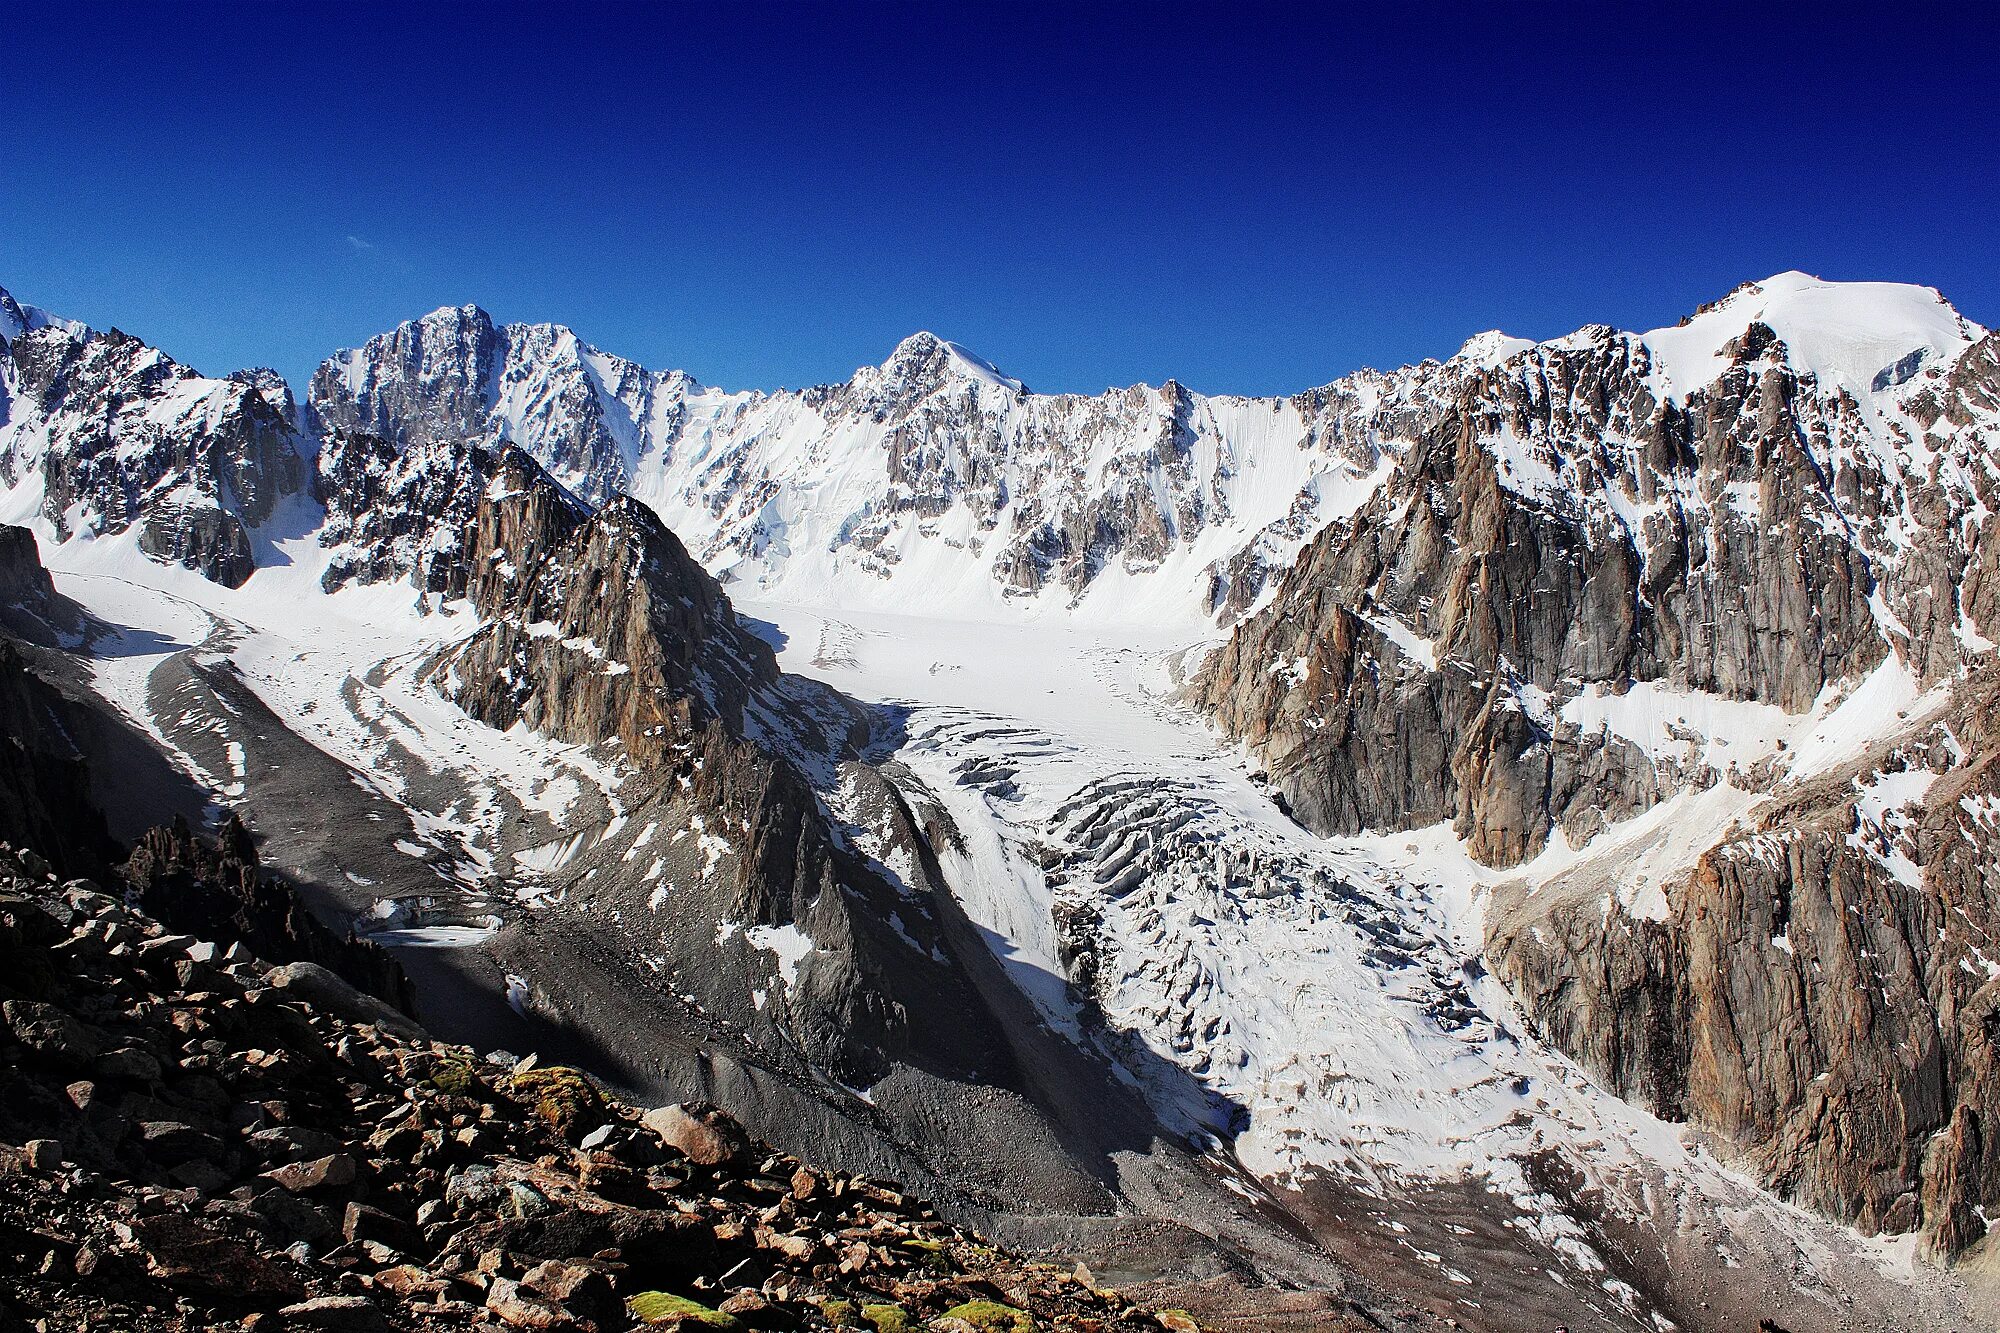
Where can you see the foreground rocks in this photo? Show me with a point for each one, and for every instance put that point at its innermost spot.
(187, 1143)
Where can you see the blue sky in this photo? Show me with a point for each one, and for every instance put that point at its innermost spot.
(1251, 199)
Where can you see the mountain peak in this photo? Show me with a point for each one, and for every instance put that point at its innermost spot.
(920, 344)
(1859, 336)
(1492, 347)
(924, 350)
(458, 316)
(17, 317)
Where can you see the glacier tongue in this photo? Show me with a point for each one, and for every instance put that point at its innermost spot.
(1326, 995)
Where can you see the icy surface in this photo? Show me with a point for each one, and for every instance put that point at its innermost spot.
(1324, 993)
(1864, 337)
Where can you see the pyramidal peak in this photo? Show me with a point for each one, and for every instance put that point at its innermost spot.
(925, 348)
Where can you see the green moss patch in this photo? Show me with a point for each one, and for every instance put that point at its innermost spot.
(659, 1307)
(884, 1318)
(456, 1078)
(993, 1317)
(560, 1097)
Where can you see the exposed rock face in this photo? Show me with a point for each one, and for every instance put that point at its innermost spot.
(1564, 532)
(453, 377)
(391, 514)
(30, 607)
(24, 583)
(44, 782)
(1389, 685)
(600, 626)
(45, 796)
(1819, 993)
(599, 630)
(121, 436)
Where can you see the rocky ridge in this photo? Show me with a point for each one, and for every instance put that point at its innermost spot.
(932, 459)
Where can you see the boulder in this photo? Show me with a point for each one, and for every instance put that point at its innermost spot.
(702, 1134)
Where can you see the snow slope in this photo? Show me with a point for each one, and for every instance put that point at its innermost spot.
(1863, 337)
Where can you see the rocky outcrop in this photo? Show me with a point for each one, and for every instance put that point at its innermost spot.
(185, 1143)
(1812, 989)
(1392, 682)
(122, 437)
(30, 607)
(45, 793)
(217, 890)
(394, 514)
(24, 583)
(1566, 530)
(597, 629)
(453, 377)
(597, 625)
(601, 627)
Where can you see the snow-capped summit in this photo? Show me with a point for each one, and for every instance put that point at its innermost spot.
(17, 318)
(101, 433)
(923, 358)
(1492, 348)
(455, 374)
(1864, 337)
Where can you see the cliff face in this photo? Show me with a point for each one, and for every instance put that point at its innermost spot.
(45, 793)
(600, 626)
(45, 798)
(216, 890)
(1562, 531)
(1821, 993)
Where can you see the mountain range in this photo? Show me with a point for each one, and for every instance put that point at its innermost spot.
(1506, 840)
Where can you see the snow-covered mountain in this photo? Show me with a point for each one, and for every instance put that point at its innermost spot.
(100, 433)
(931, 480)
(1524, 813)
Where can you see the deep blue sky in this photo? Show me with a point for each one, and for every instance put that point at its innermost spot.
(1250, 199)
